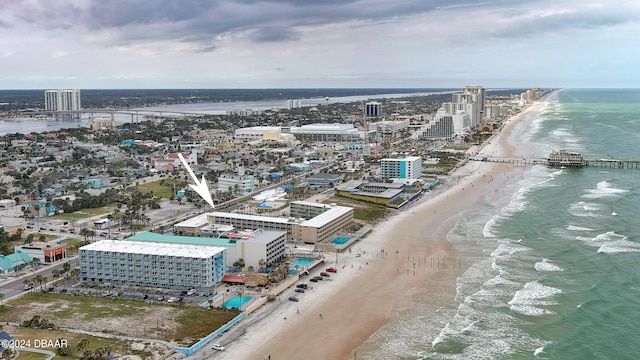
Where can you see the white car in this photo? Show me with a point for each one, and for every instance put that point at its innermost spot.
(218, 347)
(191, 292)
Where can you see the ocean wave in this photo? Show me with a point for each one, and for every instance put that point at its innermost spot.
(585, 209)
(533, 295)
(578, 228)
(603, 189)
(620, 246)
(547, 265)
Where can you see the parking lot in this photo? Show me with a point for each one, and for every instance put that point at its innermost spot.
(190, 297)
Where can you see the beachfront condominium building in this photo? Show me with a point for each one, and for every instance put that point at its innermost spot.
(321, 228)
(63, 100)
(373, 109)
(409, 167)
(157, 265)
(251, 246)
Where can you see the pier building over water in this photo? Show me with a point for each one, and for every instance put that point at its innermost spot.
(565, 158)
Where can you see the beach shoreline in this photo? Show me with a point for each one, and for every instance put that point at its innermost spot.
(407, 250)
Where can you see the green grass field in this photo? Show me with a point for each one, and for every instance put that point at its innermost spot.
(157, 189)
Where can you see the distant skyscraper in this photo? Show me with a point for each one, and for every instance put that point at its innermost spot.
(372, 109)
(479, 92)
(62, 100)
(292, 104)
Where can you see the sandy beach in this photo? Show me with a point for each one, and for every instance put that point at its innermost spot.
(409, 249)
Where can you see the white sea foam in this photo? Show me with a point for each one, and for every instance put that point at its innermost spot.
(499, 280)
(585, 209)
(533, 295)
(538, 351)
(603, 189)
(547, 265)
(620, 246)
(578, 228)
(507, 249)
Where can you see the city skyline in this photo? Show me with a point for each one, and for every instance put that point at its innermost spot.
(122, 44)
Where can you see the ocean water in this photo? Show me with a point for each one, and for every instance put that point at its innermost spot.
(554, 261)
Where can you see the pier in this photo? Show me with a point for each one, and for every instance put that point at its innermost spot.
(563, 159)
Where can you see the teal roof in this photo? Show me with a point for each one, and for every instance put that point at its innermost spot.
(191, 240)
(9, 261)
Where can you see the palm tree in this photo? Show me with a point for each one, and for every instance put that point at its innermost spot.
(35, 262)
(86, 232)
(66, 267)
(75, 274)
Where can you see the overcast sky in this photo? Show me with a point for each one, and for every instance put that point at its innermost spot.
(92, 44)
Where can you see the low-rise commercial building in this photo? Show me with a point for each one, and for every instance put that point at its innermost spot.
(47, 252)
(9, 263)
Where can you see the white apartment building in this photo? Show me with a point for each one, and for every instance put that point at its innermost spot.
(62, 100)
(245, 183)
(409, 167)
(292, 104)
(157, 265)
(373, 109)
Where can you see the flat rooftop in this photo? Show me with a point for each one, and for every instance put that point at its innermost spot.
(197, 221)
(139, 247)
(270, 219)
(333, 213)
(181, 240)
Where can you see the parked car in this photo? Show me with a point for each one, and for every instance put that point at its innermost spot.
(318, 278)
(324, 274)
(299, 290)
(302, 286)
(28, 287)
(218, 347)
(313, 280)
(183, 292)
(331, 269)
(191, 292)
(172, 300)
(293, 298)
(160, 298)
(29, 226)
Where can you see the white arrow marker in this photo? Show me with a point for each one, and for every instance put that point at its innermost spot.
(200, 187)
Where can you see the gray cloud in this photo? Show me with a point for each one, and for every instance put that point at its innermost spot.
(274, 34)
(581, 20)
(203, 23)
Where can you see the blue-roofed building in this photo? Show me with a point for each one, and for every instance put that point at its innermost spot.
(4, 336)
(9, 262)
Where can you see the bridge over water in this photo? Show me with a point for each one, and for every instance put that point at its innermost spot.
(135, 114)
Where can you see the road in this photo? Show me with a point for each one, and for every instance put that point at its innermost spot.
(15, 286)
